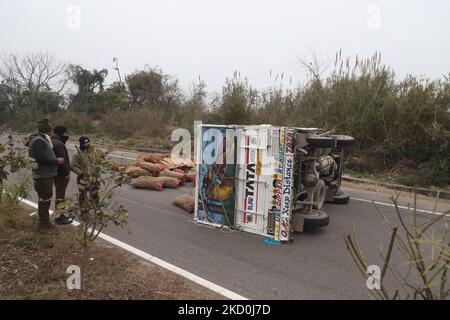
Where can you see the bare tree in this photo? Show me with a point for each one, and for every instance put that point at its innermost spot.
(34, 72)
(424, 252)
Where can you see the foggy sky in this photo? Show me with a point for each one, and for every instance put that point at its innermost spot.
(213, 38)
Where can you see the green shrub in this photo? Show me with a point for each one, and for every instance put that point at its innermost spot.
(76, 122)
(136, 123)
(393, 121)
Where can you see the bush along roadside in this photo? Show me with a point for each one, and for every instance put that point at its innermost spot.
(44, 265)
(401, 127)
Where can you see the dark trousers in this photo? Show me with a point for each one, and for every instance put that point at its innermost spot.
(44, 189)
(61, 183)
(85, 190)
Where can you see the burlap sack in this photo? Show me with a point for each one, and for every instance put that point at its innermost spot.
(153, 168)
(185, 201)
(115, 165)
(190, 177)
(173, 174)
(154, 157)
(135, 172)
(147, 182)
(169, 182)
(135, 163)
(118, 166)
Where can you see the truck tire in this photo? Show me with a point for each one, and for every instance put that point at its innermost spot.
(321, 142)
(316, 219)
(341, 198)
(343, 140)
(319, 195)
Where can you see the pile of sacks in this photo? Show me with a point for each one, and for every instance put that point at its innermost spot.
(156, 171)
(185, 201)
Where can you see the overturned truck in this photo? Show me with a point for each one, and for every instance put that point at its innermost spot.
(267, 180)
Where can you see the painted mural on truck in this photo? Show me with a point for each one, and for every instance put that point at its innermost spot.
(275, 183)
(217, 192)
(288, 176)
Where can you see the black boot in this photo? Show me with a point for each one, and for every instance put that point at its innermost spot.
(62, 220)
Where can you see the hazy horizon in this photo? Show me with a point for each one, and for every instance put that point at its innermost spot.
(212, 39)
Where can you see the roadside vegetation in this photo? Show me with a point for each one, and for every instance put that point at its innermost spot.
(402, 127)
(415, 260)
(34, 264)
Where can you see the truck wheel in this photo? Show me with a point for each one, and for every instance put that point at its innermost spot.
(341, 198)
(319, 195)
(321, 142)
(343, 141)
(316, 219)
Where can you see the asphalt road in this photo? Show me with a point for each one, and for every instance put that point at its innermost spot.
(316, 265)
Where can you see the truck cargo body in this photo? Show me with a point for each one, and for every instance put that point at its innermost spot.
(245, 178)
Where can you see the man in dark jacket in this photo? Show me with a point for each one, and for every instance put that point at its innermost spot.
(59, 140)
(40, 148)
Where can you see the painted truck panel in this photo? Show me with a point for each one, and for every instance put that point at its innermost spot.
(253, 192)
(288, 183)
(215, 189)
(251, 186)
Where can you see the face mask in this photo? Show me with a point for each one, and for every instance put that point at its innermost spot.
(64, 138)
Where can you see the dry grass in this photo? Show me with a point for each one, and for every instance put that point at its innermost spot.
(33, 266)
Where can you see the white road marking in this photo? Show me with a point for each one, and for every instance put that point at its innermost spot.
(401, 207)
(121, 157)
(31, 204)
(144, 255)
(33, 214)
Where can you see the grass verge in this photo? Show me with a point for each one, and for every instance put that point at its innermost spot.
(33, 266)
